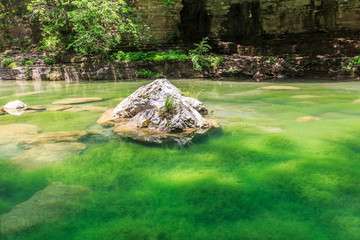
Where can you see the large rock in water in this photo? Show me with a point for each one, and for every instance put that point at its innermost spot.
(159, 112)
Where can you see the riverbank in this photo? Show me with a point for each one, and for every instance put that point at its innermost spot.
(43, 66)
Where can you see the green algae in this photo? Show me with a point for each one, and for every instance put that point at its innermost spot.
(245, 183)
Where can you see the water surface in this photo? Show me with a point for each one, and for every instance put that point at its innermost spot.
(285, 166)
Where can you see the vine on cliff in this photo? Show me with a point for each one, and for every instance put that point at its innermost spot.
(87, 26)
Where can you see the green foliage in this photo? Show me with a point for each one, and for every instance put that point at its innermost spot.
(6, 62)
(354, 64)
(200, 57)
(191, 92)
(30, 62)
(202, 47)
(233, 71)
(214, 61)
(87, 26)
(271, 59)
(13, 64)
(169, 103)
(27, 71)
(168, 2)
(49, 60)
(143, 73)
(149, 56)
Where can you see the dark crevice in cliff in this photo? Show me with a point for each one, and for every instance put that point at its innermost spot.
(195, 21)
(243, 23)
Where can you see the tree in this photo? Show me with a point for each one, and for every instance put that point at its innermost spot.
(87, 26)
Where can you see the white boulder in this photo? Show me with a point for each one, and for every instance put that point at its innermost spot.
(15, 105)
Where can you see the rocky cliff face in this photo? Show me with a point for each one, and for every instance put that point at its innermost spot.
(241, 21)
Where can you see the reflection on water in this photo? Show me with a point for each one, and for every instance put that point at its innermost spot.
(286, 165)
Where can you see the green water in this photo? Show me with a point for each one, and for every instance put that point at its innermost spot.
(265, 176)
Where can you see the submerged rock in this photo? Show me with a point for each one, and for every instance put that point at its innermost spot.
(107, 119)
(307, 119)
(85, 107)
(279, 88)
(58, 108)
(159, 112)
(10, 133)
(45, 154)
(55, 201)
(304, 96)
(70, 101)
(270, 129)
(55, 137)
(37, 108)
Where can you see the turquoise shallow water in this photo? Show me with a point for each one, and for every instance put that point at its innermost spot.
(286, 165)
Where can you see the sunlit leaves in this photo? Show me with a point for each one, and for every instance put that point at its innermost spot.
(87, 26)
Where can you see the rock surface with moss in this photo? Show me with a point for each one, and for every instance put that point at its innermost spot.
(159, 112)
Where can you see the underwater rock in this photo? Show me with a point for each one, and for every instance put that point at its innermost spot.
(308, 102)
(10, 133)
(69, 101)
(37, 108)
(46, 154)
(55, 201)
(9, 136)
(307, 119)
(58, 108)
(55, 137)
(107, 119)
(304, 96)
(270, 129)
(279, 88)
(159, 112)
(82, 108)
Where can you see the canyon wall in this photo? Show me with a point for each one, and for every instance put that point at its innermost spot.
(240, 21)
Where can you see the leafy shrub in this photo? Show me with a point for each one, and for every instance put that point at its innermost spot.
(13, 64)
(271, 59)
(200, 57)
(30, 62)
(168, 2)
(147, 74)
(354, 64)
(49, 60)
(149, 56)
(87, 26)
(6, 62)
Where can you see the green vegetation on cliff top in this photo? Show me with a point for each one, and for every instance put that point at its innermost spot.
(87, 26)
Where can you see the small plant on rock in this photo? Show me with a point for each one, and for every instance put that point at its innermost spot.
(169, 103)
